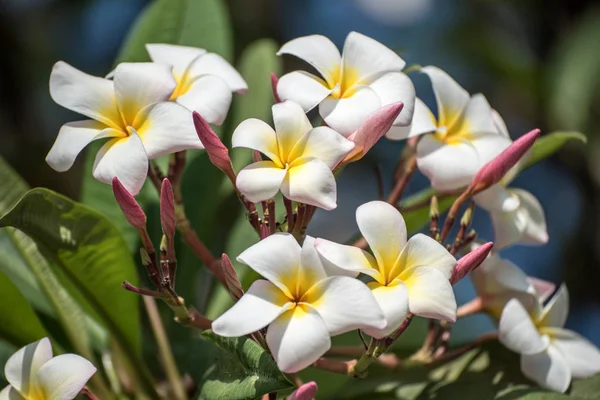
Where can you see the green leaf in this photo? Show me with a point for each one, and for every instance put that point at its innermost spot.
(234, 368)
(549, 144)
(417, 215)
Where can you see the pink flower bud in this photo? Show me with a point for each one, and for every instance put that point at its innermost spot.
(167, 209)
(217, 152)
(130, 207)
(493, 171)
(470, 261)
(274, 82)
(307, 391)
(233, 283)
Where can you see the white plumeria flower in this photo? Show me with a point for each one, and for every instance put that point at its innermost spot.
(205, 80)
(133, 111)
(409, 276)
(300, 303)
(463, 137)
(302, 158)
(550, 355)
(366, 77)
(33, 374)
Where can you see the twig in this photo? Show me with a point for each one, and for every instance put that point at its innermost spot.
(87, 393)
(339, 367)
(472, 307)
(450, 355)
(289, 213)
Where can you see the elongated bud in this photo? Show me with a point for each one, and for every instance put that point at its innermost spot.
(470, 261)
(493, 171)
(274, 82)
(372, 129)
(128, 204)
(167, 208)
(434, 211)
(465, 221)
(306, 391)
(233, 283)
(217, 152)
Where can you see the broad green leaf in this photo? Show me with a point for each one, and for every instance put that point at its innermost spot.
(233, 368)
(549, 144)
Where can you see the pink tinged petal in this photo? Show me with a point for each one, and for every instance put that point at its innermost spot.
(306, 391)
(260, 181)
(384, 230)
(497, 198)
(291, 124)
(323, 143)
(125, 159)
(310, 181)
(451, 98)
(394, 87)
(548, 368)
(311, 270)
(257, 135)
(210, 96)
(214, 64)
(517, 332)
(423, 120)
(88, 95)
(257, 308)
(430, 293)
(22, 368)
(448, 167)
(277, 258)
(500, 124)
(582, 357)
(368, 59)
(179, 57)
(555, 313)
(346, 260)
(423, 251)
(372, 129)
(74, 137)
(10, 393)
(345, 304)
(298, 338)
(316, 50)
(535, 230)
(477, 117)
(64, 376)
(138, 85)
(508, 227)
(345, 115)
(543, 289)
(303, 88)
(393, 301)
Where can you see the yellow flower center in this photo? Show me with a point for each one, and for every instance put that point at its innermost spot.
(452, 129)
(343, 82)
(184, 83)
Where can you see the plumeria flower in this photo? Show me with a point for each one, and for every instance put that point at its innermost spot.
(550, 355)
(408, 276)
(133, 111)
(301, 305)
(204, 80)
(463, 138)
(301, 158)
(33, 374)
(364, 78)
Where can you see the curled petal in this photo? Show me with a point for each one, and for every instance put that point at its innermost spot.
(535, 231)
(179, 57)
(23, 366)
(210, 96)
(393, 301)
(310, 181)
(451, 98)
(517, 331)
(64, 376)
(318, 51)
(311, 270)
(303, 88)
(548, 369)
(260, 181)
(476, 117)
(214, 64)
(347, 260)
(368, 59)
(423, 251)
(323, 143)
(10, 393)
(257, 135)
(497, 198)
(394, 87)
(291, 124)
(430, 293)
(423, 120)
(582, 357)
(555, 313)
(345, 115)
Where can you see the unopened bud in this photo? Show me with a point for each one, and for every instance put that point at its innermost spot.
(145, 257)
(231, 279)
(434, 211)
(274, 82)
(167, 208)
(468, 215)
(216, 150)
(470, 261)
(306, 391)
(130, 207)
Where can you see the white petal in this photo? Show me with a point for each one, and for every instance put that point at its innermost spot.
(497, 198)
(548, 369)
(180, 57)
(393, 301)
(310, 181)
(345, 115)
(277, 258)
(517, 331)
(262, 303)
(509, 227)
(430, 293)
(260, 181)
(323, 143)
(303, 88)
(384, 229)
(345, 304)
(210, 96)
(214, 64)
(124, 158)
(167, 128)
(543, 289)
(72, 138)
(88, 95)
(555, 313)
(23, 366)
(423, 251)
(298, 338)
(477, 117)
(10, 393)
(291, 124)
(368, 59)
(393, 87)
(348, 260)
(257, 135)
(500, 124)
(316, 50)
(423, 120)
(138, 85)
(448, 167)
(489, 145)
(535, 230)
(451, 98)
(311, 270)
(64, 376)
(582, 357)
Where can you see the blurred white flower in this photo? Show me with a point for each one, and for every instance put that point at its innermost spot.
(33, 374)
(366, 77)
(408, 275)
(205, 80)
(550, 355)
(300, 303)
(302, 158)
(133, 111)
